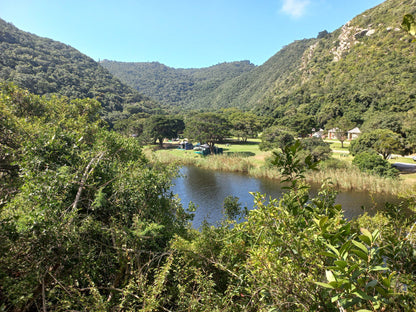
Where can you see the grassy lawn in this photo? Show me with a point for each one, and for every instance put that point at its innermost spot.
(403, 160)
(336, 145)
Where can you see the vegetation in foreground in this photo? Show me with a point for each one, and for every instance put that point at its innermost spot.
(87, 223)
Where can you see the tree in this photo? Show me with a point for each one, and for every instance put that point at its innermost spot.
(317, 148)
(159, 127)
(409, 24)
(382, 141)
(90, 215)
(275, 137)
(300, 123)
(207, 128)
(244, 124)
(341, 125)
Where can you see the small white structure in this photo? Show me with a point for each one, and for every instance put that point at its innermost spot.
(354, 133)
(332, 133)
(318, 134)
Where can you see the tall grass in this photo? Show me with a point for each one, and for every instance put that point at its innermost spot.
(348, 178)
(353, 179)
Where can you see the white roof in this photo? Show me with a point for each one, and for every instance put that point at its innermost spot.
(355, 130)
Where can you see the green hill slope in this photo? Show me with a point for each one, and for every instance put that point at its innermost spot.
(179, 88)
(364, 68)
(44, 66)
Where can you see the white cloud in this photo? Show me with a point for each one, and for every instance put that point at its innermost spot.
(295, 8)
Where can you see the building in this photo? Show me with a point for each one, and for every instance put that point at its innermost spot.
(354, 133)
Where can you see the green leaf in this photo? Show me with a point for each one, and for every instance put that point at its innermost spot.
(361, 246)
(341, 263)
(378, 268)
(323, 221)
(335, 298)
(362, 295)
(328, 254)
(360, 254)
(371, 284)
(325, 285)
(330, 276)
(365, 239)
(375, 235)
(333, 249)
(366, 233)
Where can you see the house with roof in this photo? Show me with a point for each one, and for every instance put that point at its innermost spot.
(353, 133)
(332, 133)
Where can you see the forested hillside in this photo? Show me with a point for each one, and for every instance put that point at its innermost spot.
(365, 67)
(45, 67)
(179, 88)
(362, 71)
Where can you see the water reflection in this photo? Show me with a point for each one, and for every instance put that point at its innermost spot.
(208, 189)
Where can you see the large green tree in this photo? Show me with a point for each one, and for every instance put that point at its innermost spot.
(207, 128)
(382, 141)
(159, 127)
(275, 137)
(245, 124)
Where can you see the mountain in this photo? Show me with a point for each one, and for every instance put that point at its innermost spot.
(366, 67)
(45, 67)
(178, 88)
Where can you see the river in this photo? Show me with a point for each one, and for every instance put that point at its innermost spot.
(208, 189)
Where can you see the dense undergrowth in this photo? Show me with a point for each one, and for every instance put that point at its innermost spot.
(87, 223)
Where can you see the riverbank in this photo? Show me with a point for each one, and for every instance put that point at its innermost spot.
(247, 158)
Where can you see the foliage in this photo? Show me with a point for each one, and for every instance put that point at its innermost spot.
(92, 226)
(374, 164)
(207, 128)
(89, 219)
(177, 88)
(364, 68)
(299, 123)
(287, 247)
(382, 141)
(244, 125)
(409, 24)
(317, 148)
(47, 67)
(275, 137)
(159, 127)
(232, 207)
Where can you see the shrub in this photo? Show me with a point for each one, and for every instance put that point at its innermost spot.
(372, 163)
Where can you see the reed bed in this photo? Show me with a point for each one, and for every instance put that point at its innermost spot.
(349, 178)
(353, 179)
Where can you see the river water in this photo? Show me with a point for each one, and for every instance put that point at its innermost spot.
(208, 189)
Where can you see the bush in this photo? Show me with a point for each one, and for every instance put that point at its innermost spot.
(373, 163)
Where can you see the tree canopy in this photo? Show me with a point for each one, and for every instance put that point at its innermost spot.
(207, 128)
(382, 141)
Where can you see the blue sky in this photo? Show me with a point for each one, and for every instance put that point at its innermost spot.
(180, 33)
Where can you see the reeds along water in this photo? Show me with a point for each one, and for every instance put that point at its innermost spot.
(353, 179)
(343, 179)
